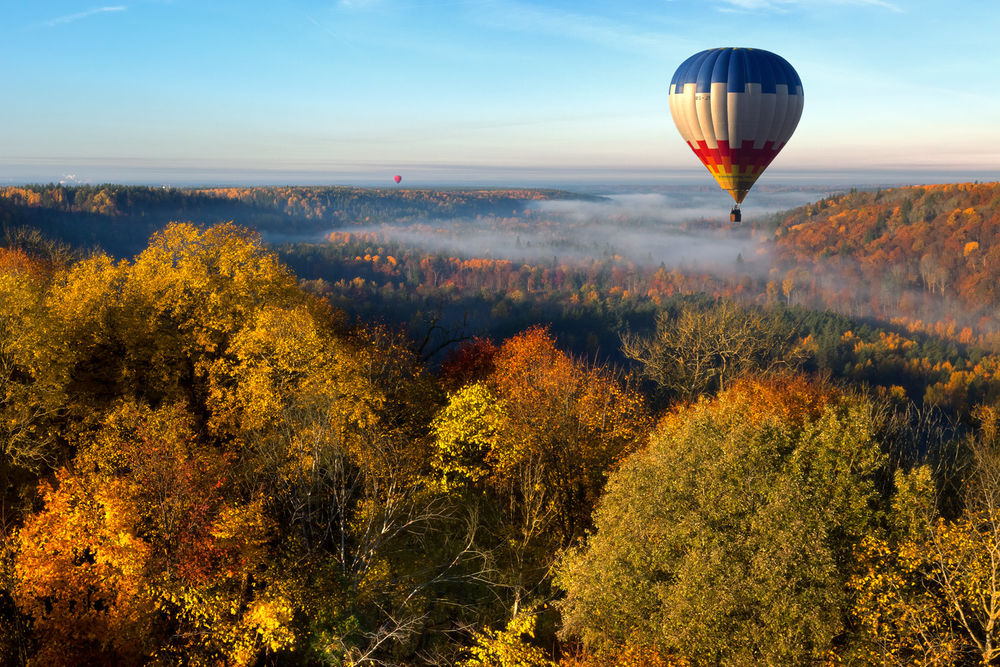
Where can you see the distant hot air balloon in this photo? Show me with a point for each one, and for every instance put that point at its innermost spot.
(397, 178)
(736, 108)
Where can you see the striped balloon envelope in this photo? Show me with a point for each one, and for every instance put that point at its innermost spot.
(736, 108)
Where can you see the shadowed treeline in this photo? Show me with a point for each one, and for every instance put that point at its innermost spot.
(119, 218)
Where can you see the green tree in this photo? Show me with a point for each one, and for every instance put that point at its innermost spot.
(725, 541)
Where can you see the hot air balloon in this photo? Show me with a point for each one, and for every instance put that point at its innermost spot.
(736, 108)
(397, 178)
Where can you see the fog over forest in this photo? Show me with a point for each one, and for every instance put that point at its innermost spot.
(682, 229)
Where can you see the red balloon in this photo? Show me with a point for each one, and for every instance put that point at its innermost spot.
(397, 178)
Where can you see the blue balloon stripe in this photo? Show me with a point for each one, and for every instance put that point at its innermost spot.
(684, 73)
(735, 67)
(720, 72)
(706, 67)
(737, 71)
(768, 75)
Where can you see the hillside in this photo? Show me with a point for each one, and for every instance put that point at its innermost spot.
(924, 253)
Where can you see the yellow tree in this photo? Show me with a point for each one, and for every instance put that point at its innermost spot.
(901, 617)
(84, 304)
(258, 472)
(532, 444)
(930, 594)
(34, 374)
(510, 647)
(466, 435)
(185, 296)
(331, 431)
(119, 337)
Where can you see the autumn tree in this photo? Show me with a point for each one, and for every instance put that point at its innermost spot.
(138, 554)
(257, 471)
(79, 575)
(723, 542)
(333, 432)
(530, 446)
(929, 591)
(510, 647)
(570, 422)
(34, 374)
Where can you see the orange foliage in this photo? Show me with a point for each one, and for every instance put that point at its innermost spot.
(21, 196)
(792, 399)
(904, 245)
(79, 575)
(16, 260)
(576, 422)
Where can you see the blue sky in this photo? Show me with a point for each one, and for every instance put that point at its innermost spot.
(474, 90)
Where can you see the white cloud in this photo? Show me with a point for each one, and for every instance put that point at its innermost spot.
(70, 18)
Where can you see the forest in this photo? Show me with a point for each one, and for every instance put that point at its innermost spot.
(365, 443)
(120, 218)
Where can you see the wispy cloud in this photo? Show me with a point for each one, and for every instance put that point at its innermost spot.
(521, 16)
(70, 18)
(784, 5)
